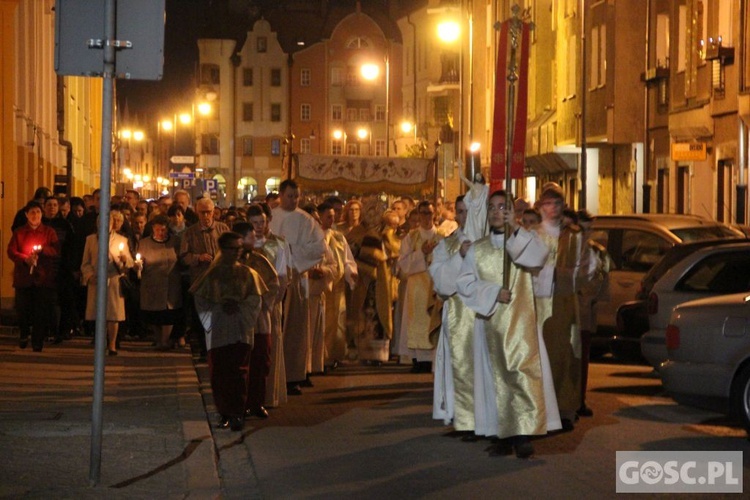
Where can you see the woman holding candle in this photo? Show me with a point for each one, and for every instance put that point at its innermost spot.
(34, 248)
(119, 261)
(161, 296)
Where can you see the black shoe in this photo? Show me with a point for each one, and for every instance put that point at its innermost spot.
(293, 390)
(37, 348)
(306, 383)
(223, 423)
(470, 437)
(585, 411)
(501, 448)
(259, 412)
(111, 352)
(236, 423)
(567, 425)
(523, 447)
(23, 343)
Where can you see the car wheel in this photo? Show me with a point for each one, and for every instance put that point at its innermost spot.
(741, 397)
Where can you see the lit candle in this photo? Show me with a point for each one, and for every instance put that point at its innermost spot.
(138, 261)
(34, 250)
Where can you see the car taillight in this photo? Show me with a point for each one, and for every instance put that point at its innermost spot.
(673, 337)
(653, 303)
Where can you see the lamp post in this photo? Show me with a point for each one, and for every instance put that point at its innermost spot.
(370, 72)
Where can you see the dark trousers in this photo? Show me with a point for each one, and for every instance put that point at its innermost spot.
(585, 354)
(228, 367)
(196, 327)
(35, 307)
(260, 367)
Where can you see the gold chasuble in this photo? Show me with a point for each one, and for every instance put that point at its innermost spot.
(513, 346)
(557, 309)
(335, 302)
(419, 310)
(458, 331)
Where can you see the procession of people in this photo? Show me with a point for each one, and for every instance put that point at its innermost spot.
(484, 293)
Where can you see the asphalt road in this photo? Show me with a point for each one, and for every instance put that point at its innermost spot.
(367, 432)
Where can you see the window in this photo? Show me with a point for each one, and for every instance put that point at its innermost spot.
(380, 113)
(247, 77)
(275, 112)
(441, 109)
(570, 90)
(337, 77)
(681, 37)
(304, 112)
(305, 77)
(380, 148)
(364, 115)
(662, 41)
(247, 111)
(275, 77)
(598, 56)
(272, 184)
(351, 149)
(352, 76)
(247, 146)
(337, 112)
(719, 274)
(210, 74)
(351, 114)
(641, 250)
(357, 43)
(336, 147)
(261, 44)
(209, 144)
(275, 147)
(304, 145)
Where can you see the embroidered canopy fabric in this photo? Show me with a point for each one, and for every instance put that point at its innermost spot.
(365, 174)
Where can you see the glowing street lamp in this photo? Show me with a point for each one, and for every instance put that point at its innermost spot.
(448, 31)
(204, 108)
(370, 71)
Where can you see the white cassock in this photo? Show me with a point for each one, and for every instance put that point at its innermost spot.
(444, 271)
(527, 250)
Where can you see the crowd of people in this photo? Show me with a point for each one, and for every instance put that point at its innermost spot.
(287, 287)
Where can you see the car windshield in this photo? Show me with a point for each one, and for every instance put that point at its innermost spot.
(699, 233)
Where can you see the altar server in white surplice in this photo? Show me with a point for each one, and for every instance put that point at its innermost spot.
(513, 393)
(453, 397)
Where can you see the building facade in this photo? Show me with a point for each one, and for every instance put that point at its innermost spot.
(50, 126)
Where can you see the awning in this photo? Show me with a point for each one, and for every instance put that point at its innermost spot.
(553, 163)
(365, 174)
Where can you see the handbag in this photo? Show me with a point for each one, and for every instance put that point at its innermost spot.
(128, 286)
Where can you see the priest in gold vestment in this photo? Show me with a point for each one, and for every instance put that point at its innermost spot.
(513, 393)
(555, 288)
(419, 299)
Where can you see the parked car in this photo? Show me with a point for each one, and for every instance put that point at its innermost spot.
(710, 271)
(633, 317)
(708, 342)
(634, 244)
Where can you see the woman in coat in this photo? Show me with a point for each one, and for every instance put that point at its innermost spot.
(119, 261)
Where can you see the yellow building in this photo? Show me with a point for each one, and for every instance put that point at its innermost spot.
(50, 126)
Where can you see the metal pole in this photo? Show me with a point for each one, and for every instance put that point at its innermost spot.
(584, 158)
(102, 262)
(388, 103)
(514, 33)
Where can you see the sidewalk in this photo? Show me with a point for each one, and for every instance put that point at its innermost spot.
(156, 441)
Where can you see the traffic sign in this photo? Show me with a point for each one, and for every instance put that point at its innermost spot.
(182, 160)
(210, 185)
(181, 175)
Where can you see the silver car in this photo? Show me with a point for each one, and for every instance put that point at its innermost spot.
(707, 272)
(708, 342)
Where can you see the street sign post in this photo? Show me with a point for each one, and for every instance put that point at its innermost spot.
(181, 175)
(182, 160)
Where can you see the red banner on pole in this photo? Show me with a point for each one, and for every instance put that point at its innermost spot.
(500, 140)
